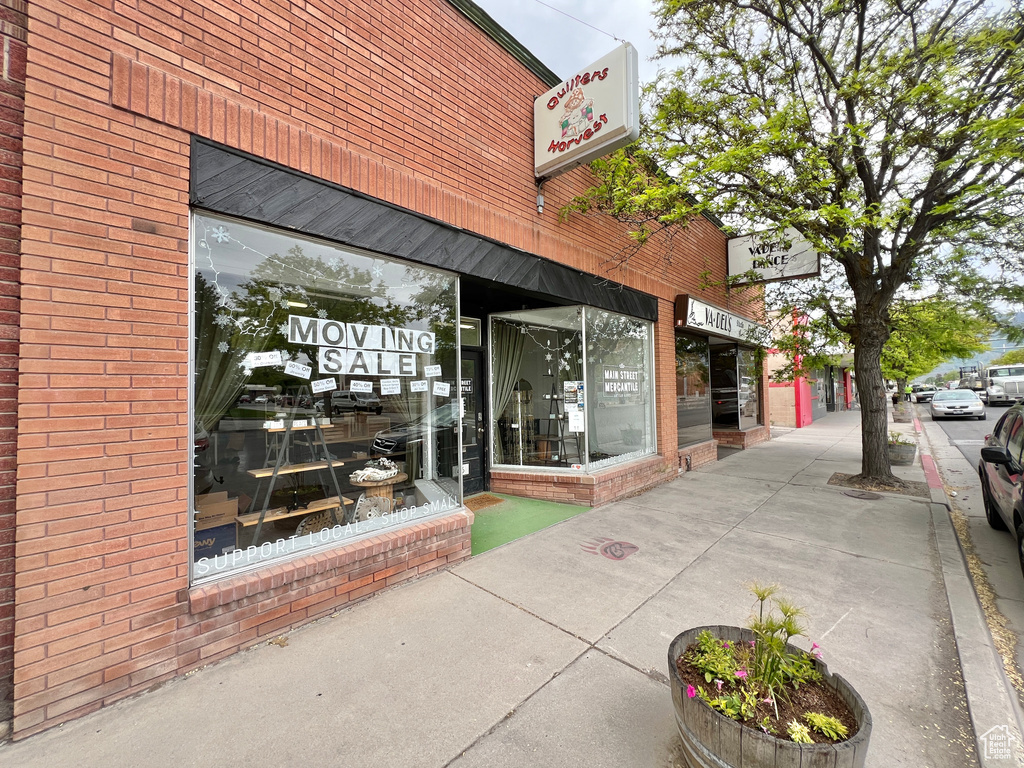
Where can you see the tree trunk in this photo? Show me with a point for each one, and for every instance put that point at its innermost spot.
(874, 421)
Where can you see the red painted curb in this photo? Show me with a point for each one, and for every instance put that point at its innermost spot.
(931, 472)
(917, 425)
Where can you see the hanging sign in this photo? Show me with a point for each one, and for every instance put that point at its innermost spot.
(700, 316)
(788, 257)
(591, 114)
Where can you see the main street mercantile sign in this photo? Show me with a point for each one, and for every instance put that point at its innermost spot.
(591, 114)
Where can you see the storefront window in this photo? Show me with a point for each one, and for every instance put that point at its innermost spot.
(620, 374)
(749, 405)
(536, 357)
(324, 398)
(693, 390)
(558, 404)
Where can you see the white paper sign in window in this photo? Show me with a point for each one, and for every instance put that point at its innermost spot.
(442, 388)
(361, 386)
(431, 371)
(324, 385)
(298, 369)
(391, 386)
(262, 359)
(418, 386)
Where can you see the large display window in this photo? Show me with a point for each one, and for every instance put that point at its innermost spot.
(572, 388)
(325, 394)
(693, 390)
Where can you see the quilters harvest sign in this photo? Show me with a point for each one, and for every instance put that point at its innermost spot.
(594, 112)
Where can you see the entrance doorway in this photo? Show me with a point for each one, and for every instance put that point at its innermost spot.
(474, 422)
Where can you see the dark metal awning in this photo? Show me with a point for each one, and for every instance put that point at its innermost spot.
(237, 184)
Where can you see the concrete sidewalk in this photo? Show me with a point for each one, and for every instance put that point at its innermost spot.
(545, 652)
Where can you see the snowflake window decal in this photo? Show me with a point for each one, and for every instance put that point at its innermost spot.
(221, 234)
(223, 346)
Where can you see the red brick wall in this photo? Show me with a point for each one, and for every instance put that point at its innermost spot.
(13, 32)
(591, 490)
(396, 100)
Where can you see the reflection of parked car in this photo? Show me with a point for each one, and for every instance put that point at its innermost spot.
(959, 403)
(395, 440)
(261, 400)
(245, 399)
(346, 400)
(1002, 476)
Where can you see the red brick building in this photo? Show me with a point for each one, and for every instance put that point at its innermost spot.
(262, 245)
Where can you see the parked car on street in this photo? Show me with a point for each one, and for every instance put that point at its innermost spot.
(1002, 476)
(957, 403)
(923, 393)
(976, 384)
(366, 402)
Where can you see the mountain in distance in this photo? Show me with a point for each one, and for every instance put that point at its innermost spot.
(998, 346)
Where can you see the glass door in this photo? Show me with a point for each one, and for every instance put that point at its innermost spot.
(473, 422)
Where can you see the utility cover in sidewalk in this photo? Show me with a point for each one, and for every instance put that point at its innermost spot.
(862, 494)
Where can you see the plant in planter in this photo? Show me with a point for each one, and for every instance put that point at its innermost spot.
(747, 698)
(901, 450)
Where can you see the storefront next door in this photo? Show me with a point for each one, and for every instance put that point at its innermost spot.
(473, 422)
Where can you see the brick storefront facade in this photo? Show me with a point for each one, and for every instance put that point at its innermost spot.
(393, 101)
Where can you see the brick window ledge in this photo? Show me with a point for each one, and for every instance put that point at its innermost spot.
(326, 562)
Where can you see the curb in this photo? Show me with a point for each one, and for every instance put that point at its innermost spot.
(991, 704)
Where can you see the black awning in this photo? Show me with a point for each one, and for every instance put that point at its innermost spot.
(236, 184)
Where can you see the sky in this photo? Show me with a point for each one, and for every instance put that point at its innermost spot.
(566, 46)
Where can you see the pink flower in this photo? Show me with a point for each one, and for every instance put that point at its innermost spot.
(725, 644)
(719, 683)
(753, 644)
(741, 673)
(690, 691)
(769, 700)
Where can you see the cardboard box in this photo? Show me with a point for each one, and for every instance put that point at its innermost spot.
(215, 509)
(213, 541)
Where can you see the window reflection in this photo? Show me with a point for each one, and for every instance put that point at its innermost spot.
(693, 390)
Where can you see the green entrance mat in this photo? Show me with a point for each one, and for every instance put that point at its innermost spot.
(513, 517)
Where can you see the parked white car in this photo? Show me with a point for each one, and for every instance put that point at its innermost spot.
(957, 403)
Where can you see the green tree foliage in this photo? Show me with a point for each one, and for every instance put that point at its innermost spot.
(1010, 358)
(928, 333)
(887, 133)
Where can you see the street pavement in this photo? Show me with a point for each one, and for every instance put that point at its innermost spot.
(546, 652)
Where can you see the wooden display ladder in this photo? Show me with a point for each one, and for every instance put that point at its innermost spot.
(555, 429)
(331, 503)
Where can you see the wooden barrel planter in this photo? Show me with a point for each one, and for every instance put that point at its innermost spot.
(712, 740)
(901, 455)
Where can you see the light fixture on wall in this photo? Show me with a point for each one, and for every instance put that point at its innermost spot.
(540, 197)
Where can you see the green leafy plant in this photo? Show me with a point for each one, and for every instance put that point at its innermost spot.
(829, 726)
(714, 658)
(775, 623)
(895, 438)
(799, 732)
